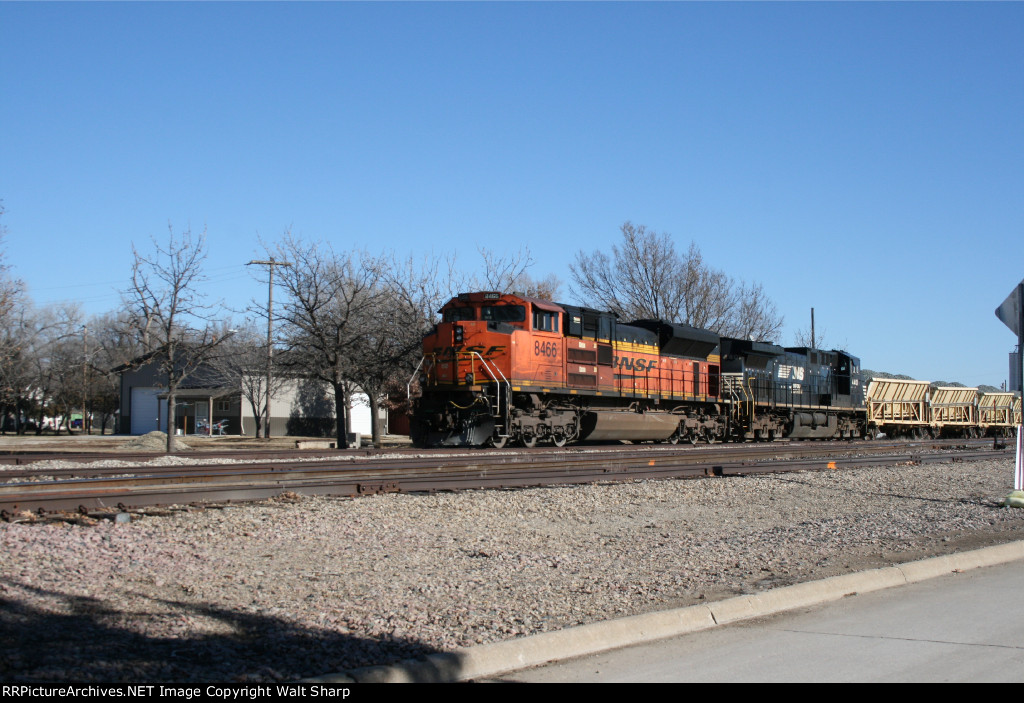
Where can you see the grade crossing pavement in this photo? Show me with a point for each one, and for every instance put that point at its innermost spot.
(960, 627)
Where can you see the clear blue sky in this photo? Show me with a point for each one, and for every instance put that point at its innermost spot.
(864, 159)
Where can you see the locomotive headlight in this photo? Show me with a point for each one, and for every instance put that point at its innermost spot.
(459, 333)
(469, 379)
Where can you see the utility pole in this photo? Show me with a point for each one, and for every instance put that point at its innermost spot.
(270, 332)
(85, 373)
(813, 341)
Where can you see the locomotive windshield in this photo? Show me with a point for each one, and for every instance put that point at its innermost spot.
(459, 314)
(504, 313)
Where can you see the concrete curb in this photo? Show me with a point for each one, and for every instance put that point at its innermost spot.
(501, 657)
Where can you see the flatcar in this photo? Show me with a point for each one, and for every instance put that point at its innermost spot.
(503, 368)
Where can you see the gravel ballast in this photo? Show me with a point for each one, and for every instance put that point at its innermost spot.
(299, 587)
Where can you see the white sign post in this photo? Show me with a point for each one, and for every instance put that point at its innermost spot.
(1018, 476)
(1011, 313)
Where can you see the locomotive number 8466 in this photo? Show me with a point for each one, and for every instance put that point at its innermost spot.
(505, 368)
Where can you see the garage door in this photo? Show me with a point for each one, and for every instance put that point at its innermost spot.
(147, 410)
(359, 415)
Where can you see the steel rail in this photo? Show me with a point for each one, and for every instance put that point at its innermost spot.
(448, 458)
(249, 482)
(27, 458)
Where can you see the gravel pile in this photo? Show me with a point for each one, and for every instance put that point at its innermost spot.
(298, 587)
(155, 441)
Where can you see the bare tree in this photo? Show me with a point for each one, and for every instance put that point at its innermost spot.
(244, 366)
(817, 337)
(57, 355)
(757, 317)
(115, 344)
(645, 277)
(355, 320)
(501, 271)
(803, 338)
(15, 321)
(328, 308)
(423, 285)
(415, 289)
(21, 341)
(406, 300)
(171, 314)
(508, 273)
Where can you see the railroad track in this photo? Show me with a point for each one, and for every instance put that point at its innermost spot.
(87, 489)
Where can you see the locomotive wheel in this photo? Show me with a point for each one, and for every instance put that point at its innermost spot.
(710, 437)
(559, 440)
(498, 442)
(528, 441)
(674, 439)
(694, 436)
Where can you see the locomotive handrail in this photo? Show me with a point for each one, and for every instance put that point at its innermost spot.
(491, 369)
(752, 399)
(408, 386)
(741, 400)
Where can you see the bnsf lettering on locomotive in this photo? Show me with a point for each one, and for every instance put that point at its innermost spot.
(641, 365)
(486, 352)
(548, 349)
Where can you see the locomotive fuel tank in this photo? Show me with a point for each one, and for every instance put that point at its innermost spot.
(609, 425)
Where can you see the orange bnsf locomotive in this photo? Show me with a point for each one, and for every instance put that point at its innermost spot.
(505, 368)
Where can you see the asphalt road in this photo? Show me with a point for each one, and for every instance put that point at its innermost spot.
(963, 627)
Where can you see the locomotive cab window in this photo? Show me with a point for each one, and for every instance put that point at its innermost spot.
(504, 313)
(545, 321)
(459, 314)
